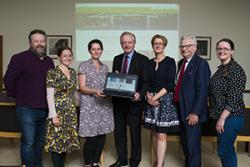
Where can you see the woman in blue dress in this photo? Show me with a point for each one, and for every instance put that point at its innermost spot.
(160, 115)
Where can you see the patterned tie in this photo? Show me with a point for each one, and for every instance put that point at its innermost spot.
(178, 86)
(125, 64)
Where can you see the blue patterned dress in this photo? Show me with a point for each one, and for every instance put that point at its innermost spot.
(163, 118)
(96, 114)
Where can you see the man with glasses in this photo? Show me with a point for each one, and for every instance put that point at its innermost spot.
(191, 98)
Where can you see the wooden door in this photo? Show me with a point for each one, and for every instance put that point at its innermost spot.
(1, 63)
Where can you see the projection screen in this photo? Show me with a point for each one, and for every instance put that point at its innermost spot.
(106, 21)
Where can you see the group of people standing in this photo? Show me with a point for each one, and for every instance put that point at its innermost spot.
(46, 101)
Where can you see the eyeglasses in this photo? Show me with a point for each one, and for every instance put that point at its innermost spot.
(186, 46)
(222, 49)
(161, 44)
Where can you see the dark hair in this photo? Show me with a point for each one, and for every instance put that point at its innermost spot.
(94, 41)
(227, 40)
(36, 31)
(60, 50)
(163, 38)
(230, 42)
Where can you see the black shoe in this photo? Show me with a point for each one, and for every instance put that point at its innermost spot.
(118, 164)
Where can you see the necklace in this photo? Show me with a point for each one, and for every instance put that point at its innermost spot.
(157, 60)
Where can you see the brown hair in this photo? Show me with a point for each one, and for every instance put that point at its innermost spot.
(61, 49)
(36, 31)
(97, 41)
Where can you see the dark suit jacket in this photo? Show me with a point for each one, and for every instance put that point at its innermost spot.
(138, 66)
(194, 89)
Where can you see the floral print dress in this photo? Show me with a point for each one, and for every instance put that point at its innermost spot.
(63, 138)
(96, 114)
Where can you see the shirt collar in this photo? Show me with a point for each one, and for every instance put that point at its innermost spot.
(189, 59)
(130, 54)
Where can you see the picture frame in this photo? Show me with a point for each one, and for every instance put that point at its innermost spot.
(204, 47)
(54, 42)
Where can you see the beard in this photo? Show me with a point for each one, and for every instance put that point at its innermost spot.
(39, 50)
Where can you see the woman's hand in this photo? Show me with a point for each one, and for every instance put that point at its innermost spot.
(221, 121)
(99, 93)
(151, 100)
(220, 125)
(56, 121)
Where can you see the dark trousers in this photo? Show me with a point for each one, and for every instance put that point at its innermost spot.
(58, 159)
(32, 124)
(93, 148)
(123, 117)
(191, 144)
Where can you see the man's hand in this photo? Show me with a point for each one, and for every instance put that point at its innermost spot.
(136, 97)
(192, 119)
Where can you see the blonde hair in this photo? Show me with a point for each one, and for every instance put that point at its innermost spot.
(163, 38)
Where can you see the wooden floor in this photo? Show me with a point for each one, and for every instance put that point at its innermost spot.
(9, 154)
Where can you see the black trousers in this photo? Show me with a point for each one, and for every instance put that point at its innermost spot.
(123, 117)
(93, 148)
(58, 159)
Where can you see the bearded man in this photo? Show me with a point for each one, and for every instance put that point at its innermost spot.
(25, 81)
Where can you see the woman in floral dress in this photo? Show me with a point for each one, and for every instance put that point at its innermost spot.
(61, 136)
(96, 111)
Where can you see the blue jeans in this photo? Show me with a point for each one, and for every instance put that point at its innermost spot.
(32, 123)
(225, 141)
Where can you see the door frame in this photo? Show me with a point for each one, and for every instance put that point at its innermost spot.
(1, 63)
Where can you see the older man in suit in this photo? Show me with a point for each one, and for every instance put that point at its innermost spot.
(129, 111)
(191, 98)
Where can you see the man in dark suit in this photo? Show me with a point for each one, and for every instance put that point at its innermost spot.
(129, 111)
(191, 98)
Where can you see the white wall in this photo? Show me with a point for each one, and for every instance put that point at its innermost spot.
(215, 18)
(18, 18)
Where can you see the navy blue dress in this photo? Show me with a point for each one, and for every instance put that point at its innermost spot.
(163, 118)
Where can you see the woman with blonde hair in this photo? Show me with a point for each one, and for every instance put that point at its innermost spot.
(160, 115)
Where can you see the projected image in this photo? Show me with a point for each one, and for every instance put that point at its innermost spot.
(127, 16)
(107, 21)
